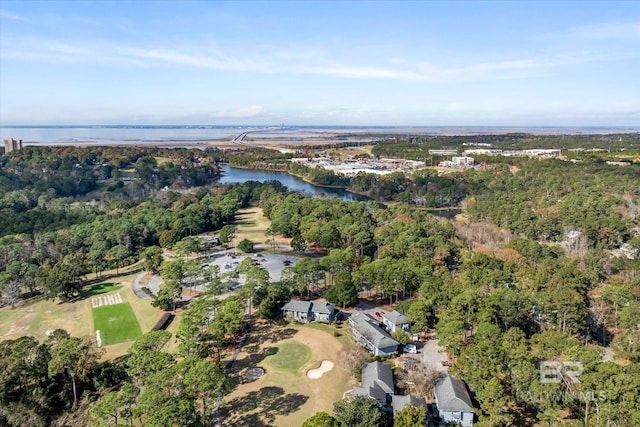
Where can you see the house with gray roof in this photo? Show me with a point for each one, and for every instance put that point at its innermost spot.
(377, 384)
(369, 334)
(452, 402)
(399, 402)
(394, 320)
(307, 311)
(323, 311)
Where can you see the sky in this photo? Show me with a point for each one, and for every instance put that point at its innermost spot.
(413, 63)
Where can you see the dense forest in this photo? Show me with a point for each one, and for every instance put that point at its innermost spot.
(533, 271)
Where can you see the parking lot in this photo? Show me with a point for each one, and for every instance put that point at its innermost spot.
(273, 263)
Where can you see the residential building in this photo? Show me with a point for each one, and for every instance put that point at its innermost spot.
(452, 402)
(307, 311)
(394, 320)
(377, 383)
(369, 334)
(399, 402)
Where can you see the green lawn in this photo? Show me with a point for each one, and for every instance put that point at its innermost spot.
(117, 323)
(290, 356)
(103, 288)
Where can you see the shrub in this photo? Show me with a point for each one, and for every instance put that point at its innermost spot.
(246, 245)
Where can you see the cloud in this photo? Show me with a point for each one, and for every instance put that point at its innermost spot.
(214, 61)
(316, 65)
(251, 111)
(264, 60)
(608, 31)
(12, 16)
(602, 31)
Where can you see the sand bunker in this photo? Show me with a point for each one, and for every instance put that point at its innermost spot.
(325, 366)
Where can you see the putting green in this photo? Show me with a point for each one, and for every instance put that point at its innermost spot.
(290, 356)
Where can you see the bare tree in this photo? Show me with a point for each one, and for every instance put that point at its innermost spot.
(421, 378)
(11, 292)
(575, 242)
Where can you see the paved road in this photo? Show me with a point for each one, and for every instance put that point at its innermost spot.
(137, 289)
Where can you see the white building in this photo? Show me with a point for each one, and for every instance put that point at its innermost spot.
(463, 162)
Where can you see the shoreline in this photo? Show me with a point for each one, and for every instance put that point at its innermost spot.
(303, 178)
(337, 187)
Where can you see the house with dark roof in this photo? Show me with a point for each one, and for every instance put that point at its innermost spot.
(307, 311)
(452, 402)
(369, 334)
(394, 321)
(377, 384)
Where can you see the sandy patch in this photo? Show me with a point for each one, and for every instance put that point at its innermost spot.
(325, 366)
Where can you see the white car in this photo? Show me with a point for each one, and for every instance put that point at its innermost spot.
(410, 348)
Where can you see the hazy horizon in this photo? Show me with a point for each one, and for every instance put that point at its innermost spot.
(306, 126)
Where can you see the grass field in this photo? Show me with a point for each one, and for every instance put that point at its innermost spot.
(290, 356)
(104, 288)
(36, 317)
(252, 225)
(117, 323)
(285, 397)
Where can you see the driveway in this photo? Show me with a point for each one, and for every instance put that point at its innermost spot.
(432, 357)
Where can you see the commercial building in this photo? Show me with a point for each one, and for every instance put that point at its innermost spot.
(11, 144)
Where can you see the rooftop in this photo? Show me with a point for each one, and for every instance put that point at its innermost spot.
(377, 381)
(399, 402)
(306, 306)
(367, 327)
(452, 395)
(297, 305)
(395, 317)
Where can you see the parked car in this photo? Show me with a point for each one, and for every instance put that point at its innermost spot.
(410, 348)
(286, 262)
